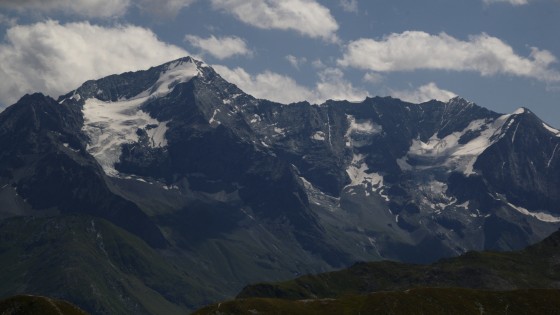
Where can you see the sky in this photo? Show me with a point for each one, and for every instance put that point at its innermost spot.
(500, 54)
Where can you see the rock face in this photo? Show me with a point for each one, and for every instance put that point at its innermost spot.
(237, 189)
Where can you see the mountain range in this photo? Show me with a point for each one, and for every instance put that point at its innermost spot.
(171, 188)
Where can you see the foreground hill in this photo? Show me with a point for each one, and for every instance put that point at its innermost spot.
(431, 301)
(537, 266)
(474, 283)
(33, 305)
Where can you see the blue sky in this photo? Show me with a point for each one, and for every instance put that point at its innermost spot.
(501, 54)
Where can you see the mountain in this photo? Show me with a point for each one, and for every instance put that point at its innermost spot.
(29, 305)
(487, 282)
(218, 189)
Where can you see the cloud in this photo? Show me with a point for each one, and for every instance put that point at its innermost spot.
(273, 86)
(55, 58)
(512, 2)
(424, 93)
(295, 61)
(220, 47)
(372, 77)
(306, 17)
(7, 20)
(267, 85)
(413, 50)
(96, 8)
(349, 5)
(163, 7)
(87, 8)
(333, 85)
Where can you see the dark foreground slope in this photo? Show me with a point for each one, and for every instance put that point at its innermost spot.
(537, 266)
(411, 302)
(475, 283)
(32, 305)
(93, 264)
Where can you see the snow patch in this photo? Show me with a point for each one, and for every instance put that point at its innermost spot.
(519, 111)
(180, 71)
(556, 132)
(552, 156)
(319, 136)
(541, 216)
(357, 171)
(213, 120)
(449, 152)
(280, 131)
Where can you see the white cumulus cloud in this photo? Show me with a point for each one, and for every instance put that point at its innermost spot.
(55, 58)
(424, 93)
(273, 86)
(414, 50)
(88, 8)
(220, 47)
(96, 8)
(267, 85)
(333, 85)
(306, 17)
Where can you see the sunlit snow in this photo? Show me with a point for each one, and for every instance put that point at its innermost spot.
(556, 132)
(109, 125)
(319, 136)
(545, 217)
(449, 152)
(357, 171)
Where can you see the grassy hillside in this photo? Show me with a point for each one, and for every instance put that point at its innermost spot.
(411, 302)
(33, 305)
(537, 266)
(92, 263)
(474, 283)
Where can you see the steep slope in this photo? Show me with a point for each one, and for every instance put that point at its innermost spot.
(94, 264)
(44, 162)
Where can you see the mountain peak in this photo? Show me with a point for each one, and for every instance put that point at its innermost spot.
(175, 72)
(459, 101)
(521, 110)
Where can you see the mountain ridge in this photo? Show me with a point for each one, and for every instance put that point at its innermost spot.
(237, 190)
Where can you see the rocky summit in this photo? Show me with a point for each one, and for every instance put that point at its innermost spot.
(182, 189)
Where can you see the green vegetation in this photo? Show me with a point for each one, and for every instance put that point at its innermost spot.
(474, 283)
(33, 305)
(537, 266)
(432, 301)
(92, 263)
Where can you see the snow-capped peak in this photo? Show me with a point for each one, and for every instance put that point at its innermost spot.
(109, 125)
(457, 100)
(519, 111)
(175, 72)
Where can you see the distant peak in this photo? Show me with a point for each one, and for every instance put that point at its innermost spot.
(520, 110)
(457, 100)
(185, 60)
